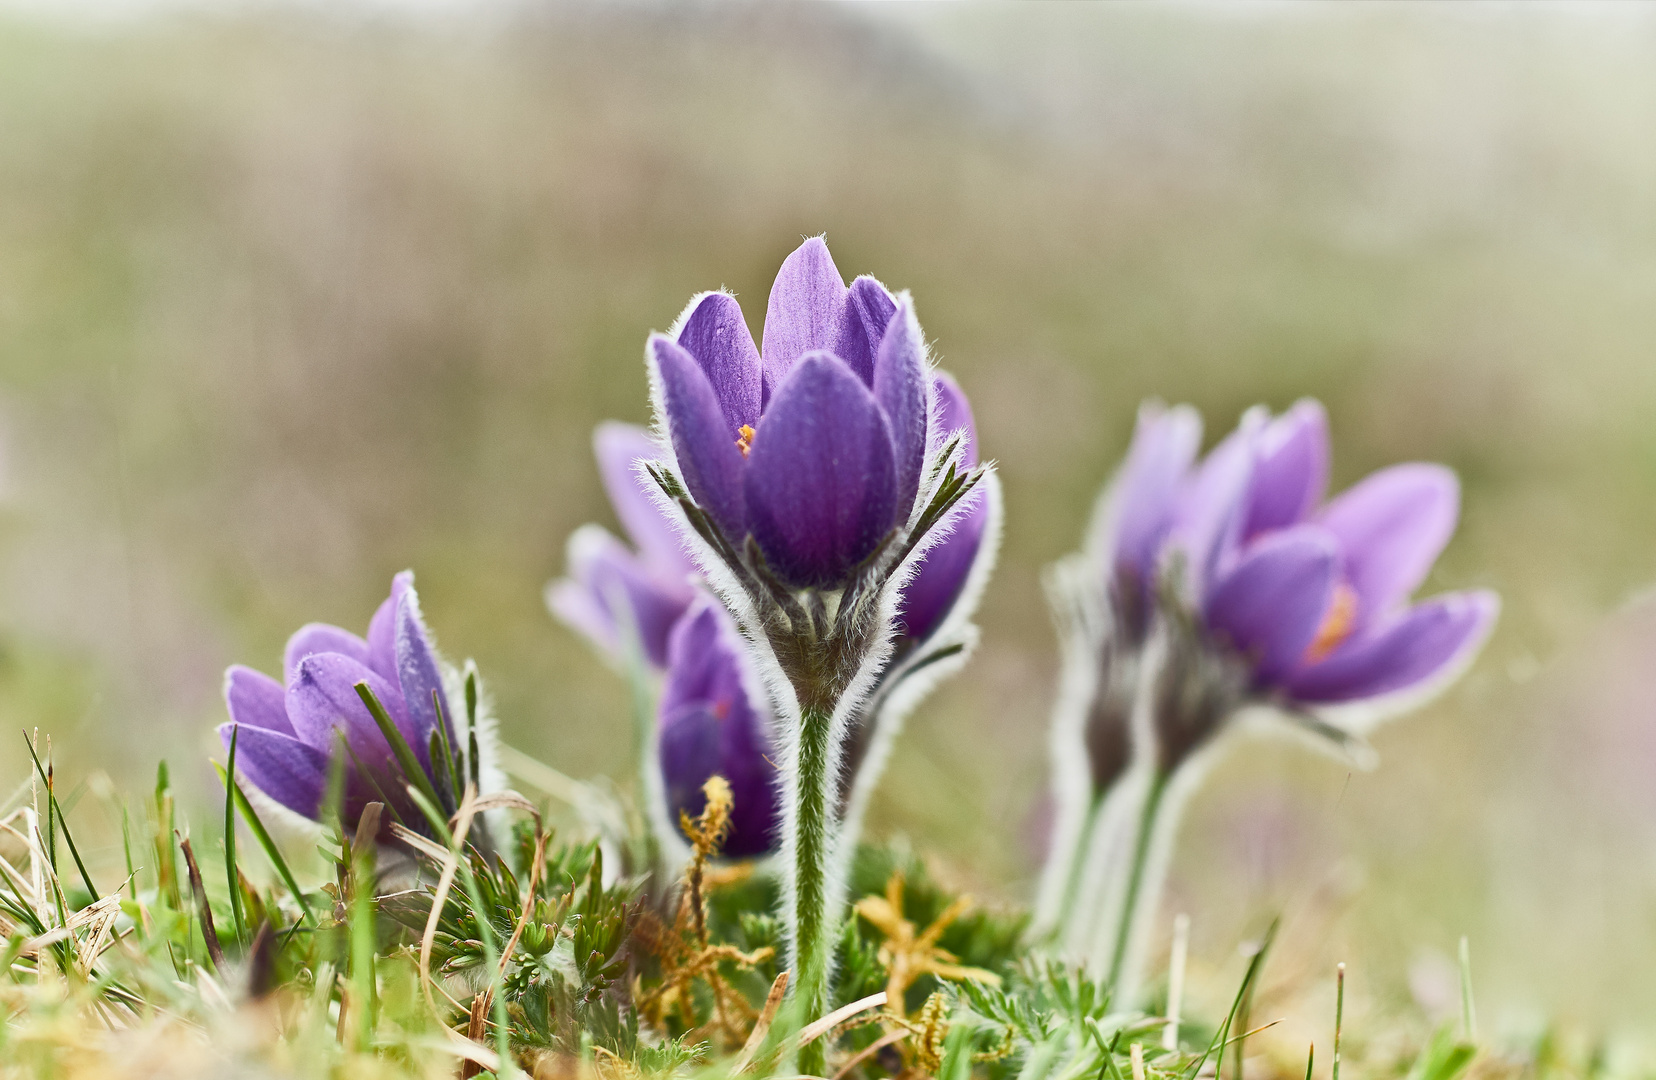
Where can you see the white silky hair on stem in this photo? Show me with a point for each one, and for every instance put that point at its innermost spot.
(910, 687)
(1138, 910)
(1076, 619)
(1078, 590)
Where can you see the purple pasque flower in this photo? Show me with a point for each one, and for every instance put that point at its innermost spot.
(1306, 604)
(804, 460)
(714, 722)
(288, 733)
(611, 588)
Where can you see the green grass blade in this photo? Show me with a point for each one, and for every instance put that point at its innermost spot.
(451, 768)
(1469, 1013)
(230, 871)
(1222, 1036)
(126, 845)
(262, 835)
(399, 745)
(55, 815)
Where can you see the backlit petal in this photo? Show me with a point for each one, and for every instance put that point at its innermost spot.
(1291, 475)
(1391, 527)
(719, 339)
(900, 384)
(1432, 639)
(1269, 607)
(706, 451)
(804, 310)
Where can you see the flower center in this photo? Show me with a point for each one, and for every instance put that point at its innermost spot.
(1337, 624)
(745, 443)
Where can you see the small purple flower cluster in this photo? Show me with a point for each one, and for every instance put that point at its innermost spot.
(292, 736)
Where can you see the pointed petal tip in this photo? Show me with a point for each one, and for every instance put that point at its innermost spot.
(804, 311)
(701, 437)
(1419, 654)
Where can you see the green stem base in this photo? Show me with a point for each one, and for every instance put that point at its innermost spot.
(815, 923)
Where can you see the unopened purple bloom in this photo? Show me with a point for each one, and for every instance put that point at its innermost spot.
(713, 724)
(814, 446)
(1109, 609)
(611, 586)
(289, 731)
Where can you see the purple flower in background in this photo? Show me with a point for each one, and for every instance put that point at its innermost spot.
(610, 586)
(1310, 600)
(1208, 589)
(1105, 598)
(1138, 511)
(289, 731)
(712, 725)
(815, 446)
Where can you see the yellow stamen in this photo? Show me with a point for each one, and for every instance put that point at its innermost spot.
(745, 443)
(1337, 624)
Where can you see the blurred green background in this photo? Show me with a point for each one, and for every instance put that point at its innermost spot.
(290, 301)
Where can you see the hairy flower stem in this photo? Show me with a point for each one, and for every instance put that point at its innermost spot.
(1138, 903)
(1062, 927)
(814, 921)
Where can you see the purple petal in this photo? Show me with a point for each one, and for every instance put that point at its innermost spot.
(703, 658)
(696, 745)
(321, 637)
(690, 753)
(602, 574)
(1211, 507)
(804, 311)
(382, 629)
(863, 324)
(323, 699)
(256, 700)
(619, 447)
(1432, 640)
(710, 726)
(706, 450)
(1291, 475)
(1271, 605)
(821, 484)
(1391, 527)
(955, 412)
(419, 677)
(717, 336)
(931, 593)
(290, 772)
(579, 608)
(900, 388)
(1145, 494)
